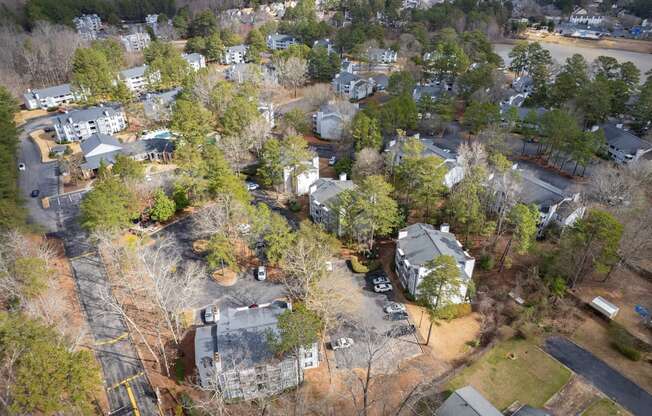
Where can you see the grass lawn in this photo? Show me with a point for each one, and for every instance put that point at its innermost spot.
(604, 407)
(532, 377)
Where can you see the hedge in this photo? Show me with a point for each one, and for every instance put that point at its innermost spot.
(454, 311)
(358, 267)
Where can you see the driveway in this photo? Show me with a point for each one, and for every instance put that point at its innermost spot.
(363, 320)
(608, 380)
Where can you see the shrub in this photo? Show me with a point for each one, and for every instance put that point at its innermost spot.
(373, 265)
(624, 342)
(628, 351)
(179, 370)
(294, 206)
(358, 267)
(486, 262)
(454, 311)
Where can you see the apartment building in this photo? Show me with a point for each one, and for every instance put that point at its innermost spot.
(80, 124)
(50, 97)
(135, 42)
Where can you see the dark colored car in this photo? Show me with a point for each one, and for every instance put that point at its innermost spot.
(35, 193)
(401, 331)
(396, 316)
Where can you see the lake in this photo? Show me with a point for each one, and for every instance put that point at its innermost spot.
(560, 52)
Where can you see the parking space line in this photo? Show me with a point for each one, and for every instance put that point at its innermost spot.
(132, 399)
(127, 380)
(113, 340)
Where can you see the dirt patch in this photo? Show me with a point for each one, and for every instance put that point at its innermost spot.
(325, 170)
(225, 277)
(576, 396)
(25, 115)
(625, 289)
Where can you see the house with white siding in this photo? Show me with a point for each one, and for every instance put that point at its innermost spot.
(87, 26)
(80, 124)
(418, 244)
(353, 86)
(324, 198)
(299, 184)
(331, 120)
(138, 80)
(624, 146)
(196, 60)
(278, 41)
(235, 54)
(135, 42)
(382, 56)
(49, 97)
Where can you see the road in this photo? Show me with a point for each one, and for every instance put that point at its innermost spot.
(128, 391)
(608, 380)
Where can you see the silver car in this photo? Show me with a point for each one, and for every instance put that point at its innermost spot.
(394, 307)
(380, 280)
(382, 288)
(341, 343)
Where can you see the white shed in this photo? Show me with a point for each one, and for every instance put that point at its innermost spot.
(605, 307)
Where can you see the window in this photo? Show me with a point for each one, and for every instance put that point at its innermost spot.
(308, 354)
(308, 364)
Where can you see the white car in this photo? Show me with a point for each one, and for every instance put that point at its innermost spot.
(211, 314)
(261, 273)
(382, 288)
(252, 186)
(380, 280)
(394, 307)
(341, 343)
(332, 160)
(21, 166)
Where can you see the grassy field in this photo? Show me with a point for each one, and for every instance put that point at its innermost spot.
(514, 370)
(604, 407)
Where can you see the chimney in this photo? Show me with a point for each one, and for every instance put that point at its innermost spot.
(445, 228)
(402, 234)
(343, 176)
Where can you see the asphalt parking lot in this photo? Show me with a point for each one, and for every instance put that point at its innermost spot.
(365, 322)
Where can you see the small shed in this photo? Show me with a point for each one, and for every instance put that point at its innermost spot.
(605, 307)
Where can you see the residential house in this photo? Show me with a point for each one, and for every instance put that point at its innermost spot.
(88, 25)
(243, 72)
(135, 42)
(381, 82)
(523, 84)
(196, 60)
(348, 66)
(582, 16)
(81, 124)
(353, 86)
(382, 56)
(50, 97)
(467, 401)
(418, 244)
(151, 20)
(234, 354)
(279, 41)
(410, 4)
(138, 80)
(235, 54)
(299, 184)
(266, 109)
(555, 205)
(157, 106)
(623, 146)
(101, 148)
(324, 196)
(324, 43)
(433, 91)
(449, 160)
(331, 120)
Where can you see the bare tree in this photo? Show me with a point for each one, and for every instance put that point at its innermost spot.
(620, 187)
(319, 94)
(472, 155)
(204, 84)
(367, 162)
(257, 132)
(293, 72)
(222, 217)
(236, 148)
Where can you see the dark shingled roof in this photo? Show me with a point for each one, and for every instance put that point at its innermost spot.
(467, 401)
(328, 188)
(423, 243)
(87, 114)
(624, 140)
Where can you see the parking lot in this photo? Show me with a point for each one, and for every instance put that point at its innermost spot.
(365, 322)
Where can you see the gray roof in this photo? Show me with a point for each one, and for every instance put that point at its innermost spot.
(328, 188)
(381, 80)
(539, 192)
(164, 97)
(423, 243)
(240, 337)
(147, 146)
(236, 49)
(325, 43)
(530, 411)
(279, 37)
(137, 71)
(346, 77)
(87, 114)
(97, 139)
(429, 149)
(624, 140)
(56, 91)
(91, 143)
(192, 57)
(522, 112)
(432, 91)
(467, 401)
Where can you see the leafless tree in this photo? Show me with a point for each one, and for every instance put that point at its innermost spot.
(409, 45)
(257, 132)
(212, 401)
(292, 72)
(319, 94)
(620, 187)
(472, 155)
(236, 148)
(506, 189)
(367, 162)
(204, 85)
(224, 216)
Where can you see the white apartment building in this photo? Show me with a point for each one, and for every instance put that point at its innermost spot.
(80, 124)
(300, 184)
(235, 55)
(582, 16)
(278, 41)
(352, 86)
(88, 25)
(135, 42)
(196, 60)
(420, 243)
(138, 80)
(324, 197)
(50, 97)
(383, 56)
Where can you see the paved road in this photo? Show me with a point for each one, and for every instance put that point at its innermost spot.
(605, 378)
(123, 371)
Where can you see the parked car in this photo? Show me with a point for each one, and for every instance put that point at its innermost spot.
(401, 331)
(211, 314)
(21, 166)
(397, 316)
(252, 186)
(35, 193)
(341, 343)
(332, 161)
(380, 280)
(394, 307)
(261, 273)
(48, 129)
(382, 288)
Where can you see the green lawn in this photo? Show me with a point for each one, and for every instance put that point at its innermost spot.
(532, 377)
(604, 407)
